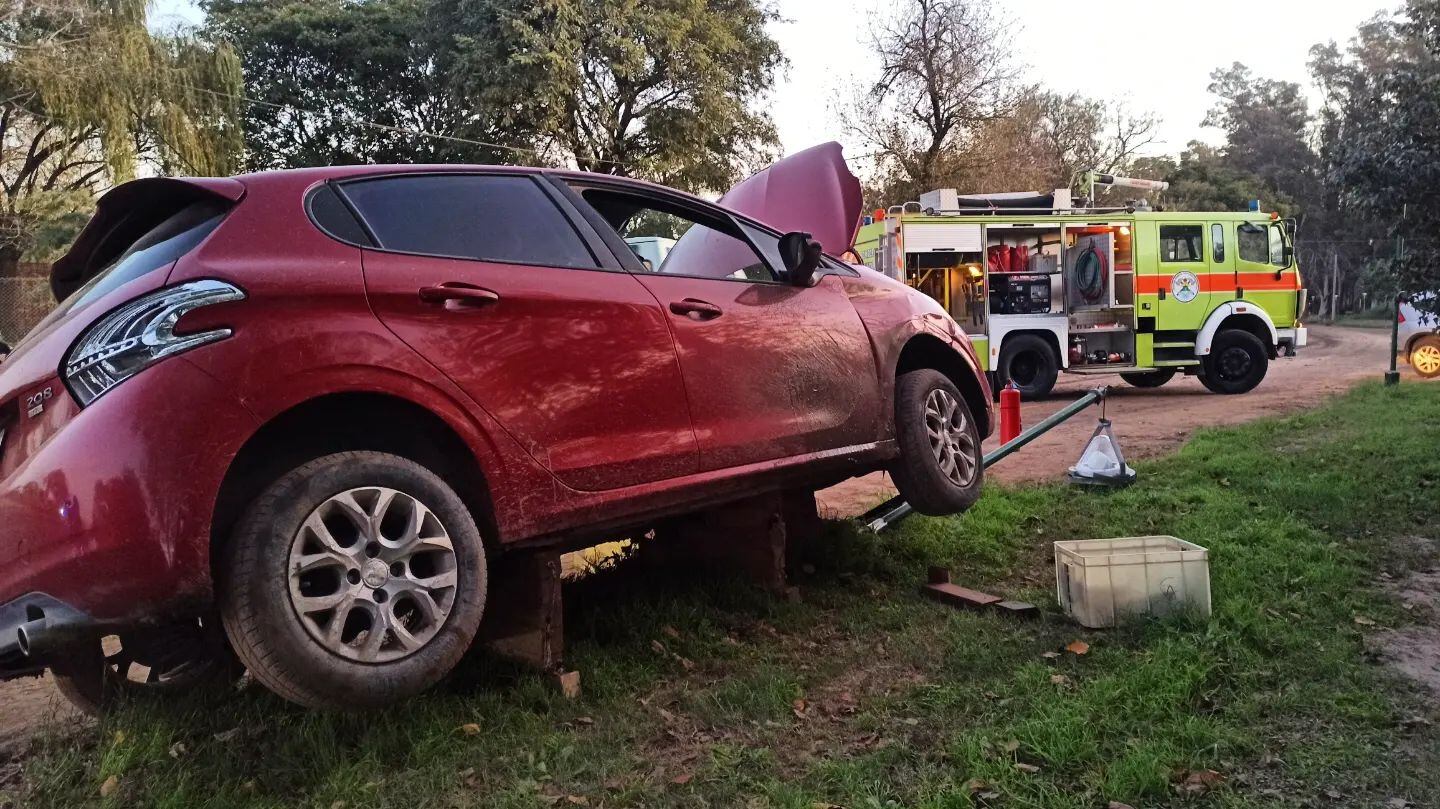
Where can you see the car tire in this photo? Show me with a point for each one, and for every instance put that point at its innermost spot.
(1149, 379)
(1030, 362)
(1425, 356)
(336, 548)
(941, 466)
(1236, 363)
(147, 663)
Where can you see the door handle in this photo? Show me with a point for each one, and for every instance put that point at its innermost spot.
(696, 309)
(458, 294)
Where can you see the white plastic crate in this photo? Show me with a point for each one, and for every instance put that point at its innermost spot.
(1101, 582)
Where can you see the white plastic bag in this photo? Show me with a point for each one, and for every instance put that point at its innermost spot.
(1102, 463)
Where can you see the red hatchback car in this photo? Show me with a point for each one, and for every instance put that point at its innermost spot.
(314, 402)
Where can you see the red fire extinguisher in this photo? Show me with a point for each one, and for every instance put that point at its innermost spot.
(1009, 412)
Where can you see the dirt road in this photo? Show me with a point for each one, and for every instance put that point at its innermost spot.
(1146, 422)
(1151, 422)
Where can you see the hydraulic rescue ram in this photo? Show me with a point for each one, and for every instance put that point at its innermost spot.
(896, 509)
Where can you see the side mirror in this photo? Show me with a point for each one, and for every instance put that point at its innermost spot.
(801, 255)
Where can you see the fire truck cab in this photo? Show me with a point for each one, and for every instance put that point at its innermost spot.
(1044, 286)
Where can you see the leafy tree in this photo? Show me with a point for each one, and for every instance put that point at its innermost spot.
(663, 89)
(336, 82)
(87, 94)
(1265, 124)
(1381, 130)
(945, 77)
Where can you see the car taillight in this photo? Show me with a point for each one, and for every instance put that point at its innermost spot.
(140, 333)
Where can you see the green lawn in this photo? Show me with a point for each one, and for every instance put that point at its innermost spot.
(709, 694)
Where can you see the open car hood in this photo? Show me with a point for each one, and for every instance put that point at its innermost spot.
(811, 191)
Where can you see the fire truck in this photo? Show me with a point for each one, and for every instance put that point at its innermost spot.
(1045, 283)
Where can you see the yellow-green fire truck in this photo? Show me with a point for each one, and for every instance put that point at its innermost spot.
(1044, 285)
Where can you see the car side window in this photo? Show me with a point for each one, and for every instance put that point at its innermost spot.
(1181, 243)
(673, 240)
(503, 218)
(1217, 243)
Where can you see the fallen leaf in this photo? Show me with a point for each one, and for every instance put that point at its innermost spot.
(1333, 794)
(1363, 621)
(1118, 805)
(227, 736)
(1011, 745)
(685, 663)
(658, 647)
(666, 715)
(1398, 803)
(1049, 655)
(578, 800)
(119, 737)
(1023, 767)
(584, 720)
(109, 786)
(1078, 647)
(977, 784)
(338, 805)
(682, 779)
(1059, 679)
(671, 631)
(1201, 781)
(177, 750)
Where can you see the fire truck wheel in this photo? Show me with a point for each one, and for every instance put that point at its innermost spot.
(1149, 379)
(1029, 362)
(1236, 363)
(1425, 357)
(940, 468)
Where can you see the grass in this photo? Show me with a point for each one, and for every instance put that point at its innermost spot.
(707, 693)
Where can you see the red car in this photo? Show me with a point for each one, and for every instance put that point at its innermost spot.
(314, 402)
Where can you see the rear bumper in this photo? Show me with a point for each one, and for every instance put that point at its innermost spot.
(1292, 339)
(34, 630)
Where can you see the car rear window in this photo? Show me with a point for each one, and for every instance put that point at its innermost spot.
(483, 217)
(156, 246)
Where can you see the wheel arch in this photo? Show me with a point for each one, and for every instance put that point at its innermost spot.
(348, 421)
(928, 351)
(1243, 315)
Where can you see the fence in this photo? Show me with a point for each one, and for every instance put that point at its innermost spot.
(24, 299)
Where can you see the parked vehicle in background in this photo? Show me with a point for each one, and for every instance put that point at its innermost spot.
(1044, 283)
(1420, 340)
(308, 406)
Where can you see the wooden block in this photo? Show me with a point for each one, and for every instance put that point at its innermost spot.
(569, 683)
(1019, 609)
(959, 596)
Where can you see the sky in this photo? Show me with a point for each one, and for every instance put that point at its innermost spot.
(1154, 55)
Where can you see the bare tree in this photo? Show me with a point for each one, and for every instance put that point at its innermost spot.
(945, 71)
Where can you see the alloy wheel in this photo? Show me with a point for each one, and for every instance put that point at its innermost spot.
(1426, 359)
(373, 574)
(950, 440)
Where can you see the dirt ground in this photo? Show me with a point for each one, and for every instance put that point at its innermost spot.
(1152, 422)
(1146, 423)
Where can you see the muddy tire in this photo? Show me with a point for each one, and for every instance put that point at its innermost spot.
(1236, 363)
(1425, 357)
(1149, 379)
(353, 581)
(1030, 362)
(940, 468)
(148, 663)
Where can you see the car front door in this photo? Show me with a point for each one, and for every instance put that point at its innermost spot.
(771, 370)
(488, 279)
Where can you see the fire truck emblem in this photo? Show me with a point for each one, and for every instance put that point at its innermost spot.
(1184, 286)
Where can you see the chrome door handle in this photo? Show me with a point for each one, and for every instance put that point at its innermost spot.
(458, 294)
(696, 309)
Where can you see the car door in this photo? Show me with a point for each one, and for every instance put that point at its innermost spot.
(771, 370)
(1182, 277)
(487, 277)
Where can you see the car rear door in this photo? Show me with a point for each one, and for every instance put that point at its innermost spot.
(771, 370)
(490, 279)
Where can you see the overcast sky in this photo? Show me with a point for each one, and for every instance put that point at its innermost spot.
(1155, 55)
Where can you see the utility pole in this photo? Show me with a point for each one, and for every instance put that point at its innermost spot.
(1334, 283)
